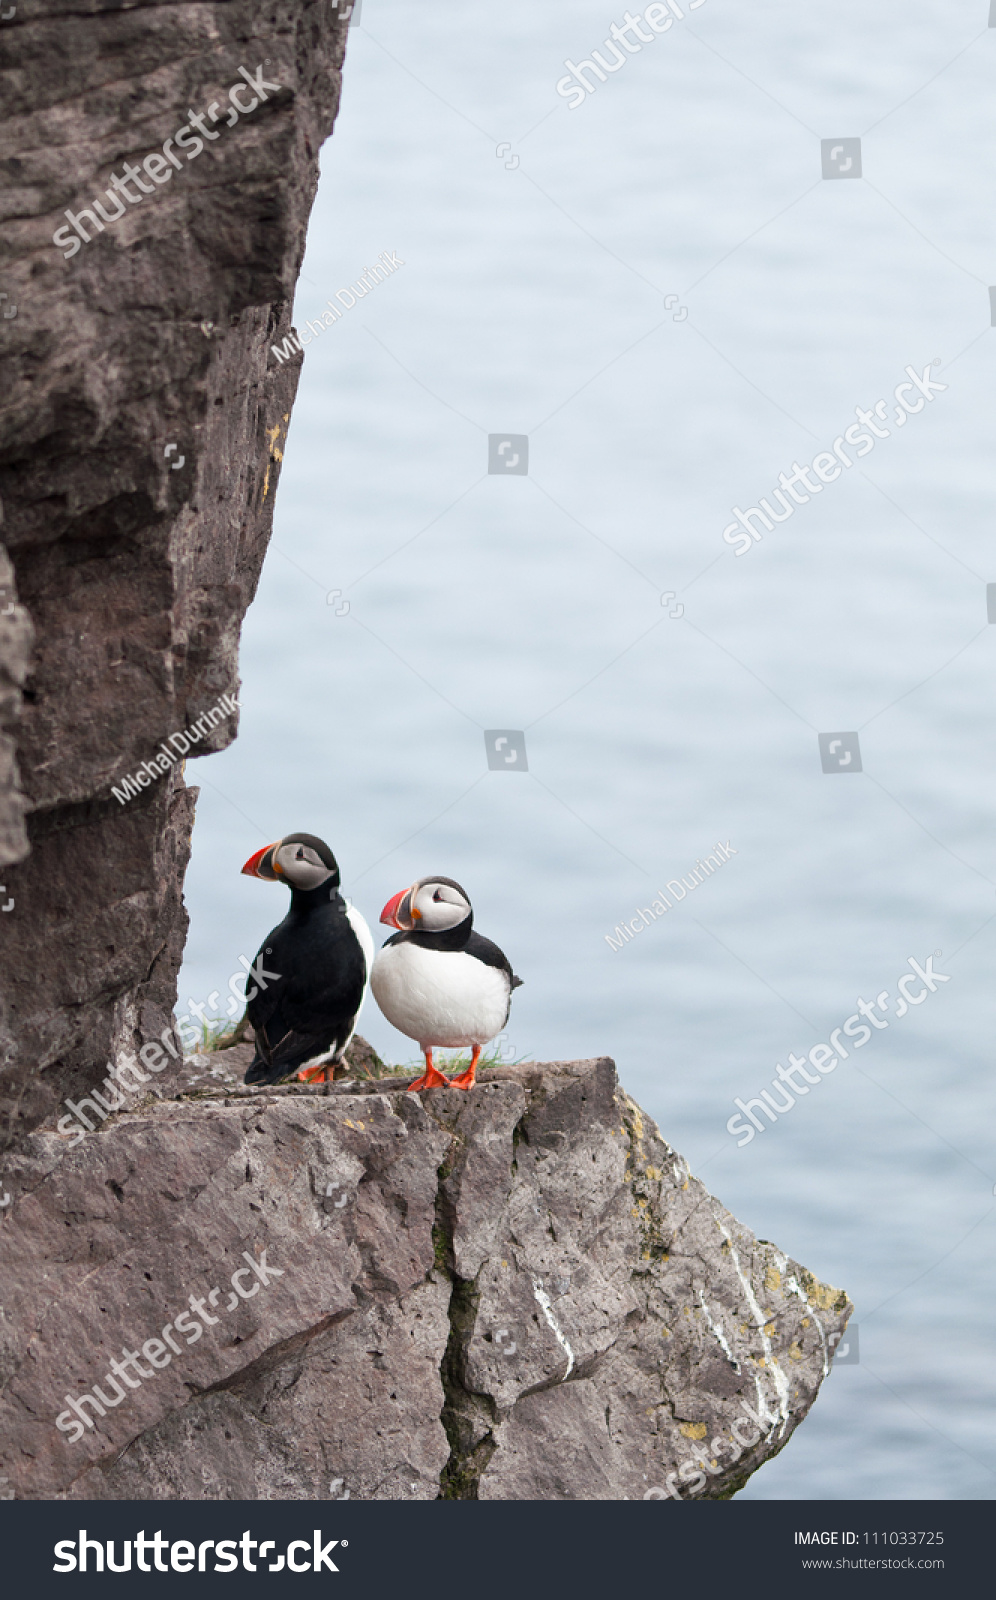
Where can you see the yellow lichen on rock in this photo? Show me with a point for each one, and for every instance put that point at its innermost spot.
(275, 455)
(822, 1295)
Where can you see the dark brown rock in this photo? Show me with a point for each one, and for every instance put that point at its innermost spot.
(515, 1293)
(136, 576)
(362, 1060)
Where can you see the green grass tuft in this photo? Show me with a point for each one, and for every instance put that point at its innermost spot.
(216, 1033)
(452, 1064)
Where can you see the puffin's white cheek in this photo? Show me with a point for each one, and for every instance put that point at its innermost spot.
(305, 875)
(437, 916)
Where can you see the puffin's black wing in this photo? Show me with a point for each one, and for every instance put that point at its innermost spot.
(277, 1060)
(314, 973)
(268, 982)
(488, 952)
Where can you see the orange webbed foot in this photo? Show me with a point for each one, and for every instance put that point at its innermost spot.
(315, 1074)
(465, 1080)
(430, 1079)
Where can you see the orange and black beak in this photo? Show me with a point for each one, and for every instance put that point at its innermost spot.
(399, 911)
(261, 864)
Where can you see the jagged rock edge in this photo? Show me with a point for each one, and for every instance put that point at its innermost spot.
(634, 1119)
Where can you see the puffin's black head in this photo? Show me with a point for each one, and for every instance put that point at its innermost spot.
(301, 860)
(431, 905)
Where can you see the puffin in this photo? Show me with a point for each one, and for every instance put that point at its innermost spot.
(311, 972)
(437, 980)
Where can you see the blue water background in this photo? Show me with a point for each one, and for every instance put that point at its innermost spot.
(533, 299)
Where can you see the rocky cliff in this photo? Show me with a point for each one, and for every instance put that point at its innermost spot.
(516, 1293)
(141, 436)
(208, 1291)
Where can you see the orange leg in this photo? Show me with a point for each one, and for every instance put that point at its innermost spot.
(466, 1079)
(431, 1079)
(317, 1074)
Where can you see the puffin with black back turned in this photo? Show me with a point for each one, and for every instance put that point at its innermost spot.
(310, 975)
(437, 980)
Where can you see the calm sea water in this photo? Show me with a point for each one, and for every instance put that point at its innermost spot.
(535, 300)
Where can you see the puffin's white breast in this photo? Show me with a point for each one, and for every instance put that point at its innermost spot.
(364, 939)
(440, 997)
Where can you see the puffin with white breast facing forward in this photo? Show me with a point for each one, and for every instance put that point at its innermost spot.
(311, 973)
(437, 980)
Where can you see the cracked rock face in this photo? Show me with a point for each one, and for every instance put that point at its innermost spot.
(141, 434)
(516, 1293)
(16, 637)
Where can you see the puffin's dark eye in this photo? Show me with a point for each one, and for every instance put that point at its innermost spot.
(437, 895)
(300, 855)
